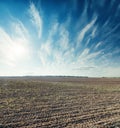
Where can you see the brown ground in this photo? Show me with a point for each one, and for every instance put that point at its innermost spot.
(58, 102)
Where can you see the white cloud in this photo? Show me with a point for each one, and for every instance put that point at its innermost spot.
(36, 18)
(85, 59)
(19, 29)
(112, 30)
(93, 55)
(88, 41)
(85, 52)
(46, 48)
(55, 49)
(94, 31)
(86, 56)
(53, 30)
(83, 18)
(64, 59)
(98, 44)
(64, 38)
(82, 33)
(45, 52)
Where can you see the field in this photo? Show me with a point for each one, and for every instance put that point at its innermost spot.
(59, 102)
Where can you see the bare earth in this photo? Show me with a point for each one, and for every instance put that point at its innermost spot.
(59, 102)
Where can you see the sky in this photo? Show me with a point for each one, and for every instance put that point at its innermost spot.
(60, 37)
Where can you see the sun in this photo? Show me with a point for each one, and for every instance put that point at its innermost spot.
(18, 50)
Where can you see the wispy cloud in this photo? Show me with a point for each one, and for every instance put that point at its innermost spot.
(94, 31)
(88, 58)
(53, 30)
(36, 19)
(19, 28)
(84, 68)
(112, 30)
(45, 52)
(83, 17)
(82, 33)
(64, 38)
(47, 48)
(54, 51)
(98, 44)
(58, 54)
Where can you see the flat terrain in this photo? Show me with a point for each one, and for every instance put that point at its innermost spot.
(58, 102)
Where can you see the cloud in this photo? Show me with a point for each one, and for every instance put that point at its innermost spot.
(45, 52)
(82, 20)
(98, 44)
(19, 29)
(94, 31)
(58, 55)
(54, 51)
(86, 56)
(36, 19)
(84, 68)
(91, 36)
(53, 30)
(82, 32)
(112, 30)
(46, 47)
(64, 38)
(86, 59)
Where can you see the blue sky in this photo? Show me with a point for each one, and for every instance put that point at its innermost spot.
(60, 37)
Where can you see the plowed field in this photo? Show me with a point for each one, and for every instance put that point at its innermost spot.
(60, 102)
